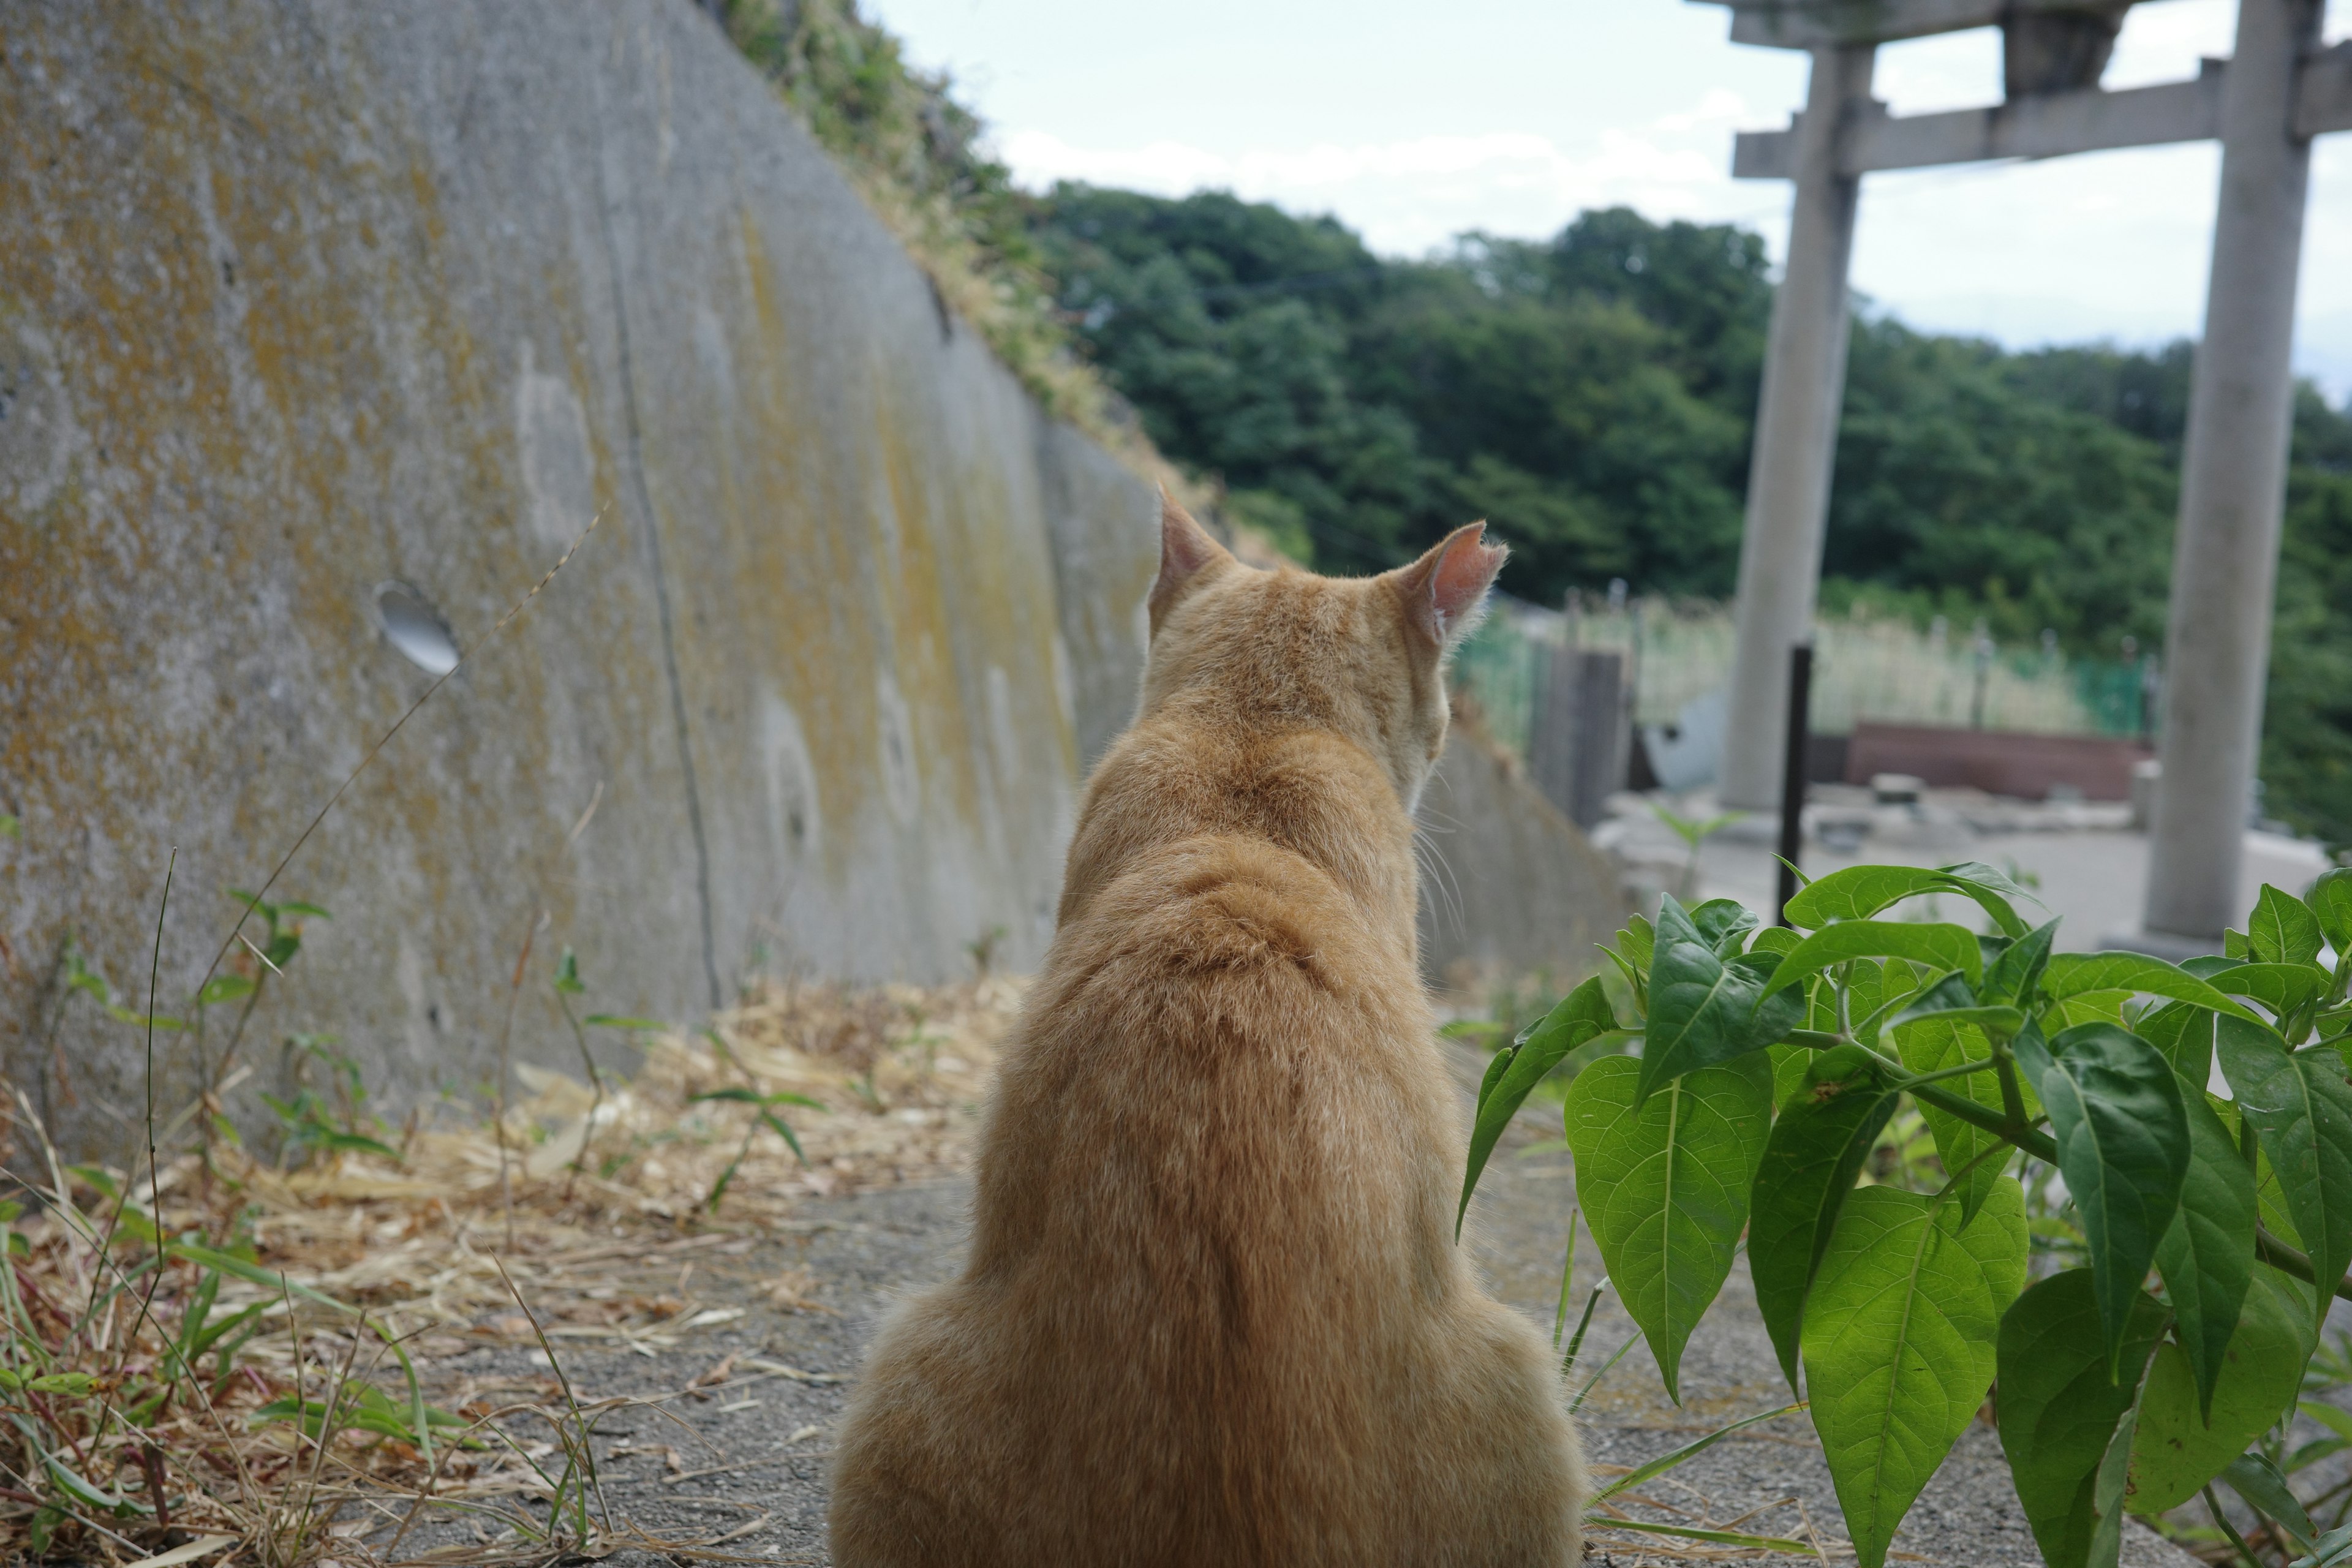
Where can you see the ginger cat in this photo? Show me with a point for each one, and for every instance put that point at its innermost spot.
(1215, 1315)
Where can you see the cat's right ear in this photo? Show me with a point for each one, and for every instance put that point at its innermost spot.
(1186, 554)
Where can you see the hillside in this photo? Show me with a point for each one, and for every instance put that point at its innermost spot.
(1592, 395)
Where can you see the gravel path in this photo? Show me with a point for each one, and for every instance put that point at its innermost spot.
(756, 1454)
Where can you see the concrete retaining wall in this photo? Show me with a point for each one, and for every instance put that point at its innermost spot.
(1509, 885)
(298, 299)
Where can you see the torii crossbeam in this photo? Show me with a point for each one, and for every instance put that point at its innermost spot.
(2264, 104)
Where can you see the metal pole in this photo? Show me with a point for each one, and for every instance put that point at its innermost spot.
(1793, 758)
(1796, 428)
(2233, 485)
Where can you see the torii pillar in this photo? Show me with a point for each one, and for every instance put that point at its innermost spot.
(2264, 105)
(1796, 431)
(2232, 487)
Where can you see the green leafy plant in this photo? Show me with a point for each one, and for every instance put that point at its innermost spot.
(1856, 1095)
(1694, 831)
(311, 1123)
(567, 984)
(281, 939)
(764, 1116)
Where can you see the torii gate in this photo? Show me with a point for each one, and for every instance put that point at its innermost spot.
(2264, 104)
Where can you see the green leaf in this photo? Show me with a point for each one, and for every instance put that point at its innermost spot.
(752, 1097)
(253, 904)
(2073, 973)
(10, 827)
(1790, 1064)
(2013, 975)
(1722, 923)
(1704, 1010)
(2282, 929)
(1944, 993)
(2281, 987)
(2330, 1551)
(2184, 1035)
(1824, 1133)
(224, 988)
(2123, 1146)
(1859, 892)
(2331, 903)
(1948, 947)
(2301, 1104)
(208, 1258)
(1658, 1466)
(2066, 1424)
(133, 1016)
(1632, 956)
(1716, 1537)
(1992, 890)
(2207, 1255)
(96, 1178)
(2256, 1479)
(567, 974)
(1664, 1186)
(776, 1125)
(299, 907)
(1898, 1340)
(1514, 1073)
(2176, 1450)
(336, 1137)
(89, 1495)
(1936, 1044)
(73, 1385)
(621, 1021)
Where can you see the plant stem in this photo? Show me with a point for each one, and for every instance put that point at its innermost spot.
(1922, 1087)
(2229, 1529)
(2034, 1142)
(2288, 1260)
(2012, 1097)
(1959, 1069)
(596, 1099)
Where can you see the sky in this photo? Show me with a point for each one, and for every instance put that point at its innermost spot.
(1414, 123)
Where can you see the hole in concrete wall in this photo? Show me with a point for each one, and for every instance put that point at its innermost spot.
(416, 628)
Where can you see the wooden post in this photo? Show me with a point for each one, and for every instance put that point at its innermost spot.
(1577, 744)
(1795, 747)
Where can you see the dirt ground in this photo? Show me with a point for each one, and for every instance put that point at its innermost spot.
(748, 1457)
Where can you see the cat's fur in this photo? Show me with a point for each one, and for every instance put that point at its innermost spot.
(1214, 1312)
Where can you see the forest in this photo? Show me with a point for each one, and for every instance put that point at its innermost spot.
(1594, 394)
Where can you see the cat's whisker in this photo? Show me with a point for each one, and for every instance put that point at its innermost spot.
(1438, 874)
(1438, 871)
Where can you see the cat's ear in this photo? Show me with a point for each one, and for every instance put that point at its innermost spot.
(1186, 551)
(1446, 591)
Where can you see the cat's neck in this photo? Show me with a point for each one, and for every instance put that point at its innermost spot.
(1310, 791)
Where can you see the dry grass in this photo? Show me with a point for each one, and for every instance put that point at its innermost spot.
(120, 1440)
(901, 1072)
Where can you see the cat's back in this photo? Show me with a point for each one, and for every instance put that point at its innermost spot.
(1213, 1311)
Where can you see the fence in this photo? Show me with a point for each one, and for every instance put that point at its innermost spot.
(1864, 668)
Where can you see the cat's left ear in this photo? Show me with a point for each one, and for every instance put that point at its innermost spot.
(1446, 591)
(1186, 552)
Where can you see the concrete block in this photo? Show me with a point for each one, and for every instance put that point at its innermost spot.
(300, 300)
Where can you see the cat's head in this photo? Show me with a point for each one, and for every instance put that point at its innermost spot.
(1364, 656)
